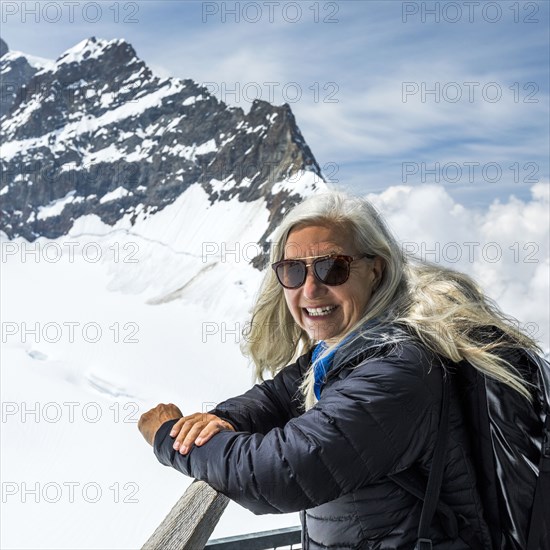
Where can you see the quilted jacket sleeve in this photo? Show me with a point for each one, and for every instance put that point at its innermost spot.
(268, 405)
(377, 420)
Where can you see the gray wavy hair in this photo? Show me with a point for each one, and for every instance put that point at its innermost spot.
(444, 309)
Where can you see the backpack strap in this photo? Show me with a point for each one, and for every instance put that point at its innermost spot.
(541, 502)
(435, 478)
(415, 483)
(454, 525)
(539, 525)
(430, 496)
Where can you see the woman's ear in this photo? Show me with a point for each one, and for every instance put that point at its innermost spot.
(378, 266)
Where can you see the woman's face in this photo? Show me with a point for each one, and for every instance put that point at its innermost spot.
(327, 312)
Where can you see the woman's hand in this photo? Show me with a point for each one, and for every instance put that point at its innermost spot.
(196, 428)
(152, 420)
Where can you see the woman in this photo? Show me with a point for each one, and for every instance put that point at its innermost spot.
(373, 334)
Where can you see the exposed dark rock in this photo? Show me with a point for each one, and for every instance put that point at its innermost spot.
(99, 119)
(15, 74)
(3, 48)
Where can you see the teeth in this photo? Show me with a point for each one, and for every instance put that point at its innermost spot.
(318, 311)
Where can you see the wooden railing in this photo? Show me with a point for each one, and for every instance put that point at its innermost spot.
(190, 523)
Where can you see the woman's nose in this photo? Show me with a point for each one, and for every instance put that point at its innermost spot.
(313, 288)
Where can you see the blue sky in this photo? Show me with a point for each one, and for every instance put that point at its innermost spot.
(385, 92)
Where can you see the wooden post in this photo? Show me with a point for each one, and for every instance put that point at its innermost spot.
(191, 521)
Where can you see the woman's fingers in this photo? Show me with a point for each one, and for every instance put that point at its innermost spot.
(177, 427)
(212, 428)
(196, 429)
(186, 426)
(183, 425)
(191, 436)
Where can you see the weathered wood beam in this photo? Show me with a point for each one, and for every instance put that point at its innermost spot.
(191, 521)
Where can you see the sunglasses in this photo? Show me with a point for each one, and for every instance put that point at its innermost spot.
(330, 270)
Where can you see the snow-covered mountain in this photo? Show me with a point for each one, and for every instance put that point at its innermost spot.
(138, 207)
(97, 133)
(132, 208)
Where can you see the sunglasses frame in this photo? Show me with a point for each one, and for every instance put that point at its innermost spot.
(348, 259)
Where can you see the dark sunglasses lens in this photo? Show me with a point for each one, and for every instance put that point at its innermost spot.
(291, 274)
(332, 271)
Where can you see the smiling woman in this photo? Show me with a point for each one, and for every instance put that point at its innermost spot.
(329, 300)
(361, 342)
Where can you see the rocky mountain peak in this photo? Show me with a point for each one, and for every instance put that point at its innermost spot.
(92, 47)
(97, 132)
(3, 48)
(89, 79)
(16, 73)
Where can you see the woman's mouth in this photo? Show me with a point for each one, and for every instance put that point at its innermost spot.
(319, 311)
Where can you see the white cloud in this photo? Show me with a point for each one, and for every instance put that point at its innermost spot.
(368, 55)
(504, 247)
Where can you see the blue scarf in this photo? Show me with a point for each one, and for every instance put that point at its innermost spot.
(321, 367)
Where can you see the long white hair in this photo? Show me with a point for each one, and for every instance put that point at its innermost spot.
(444, 309)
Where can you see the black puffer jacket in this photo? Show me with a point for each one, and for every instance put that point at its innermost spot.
(377, 415)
